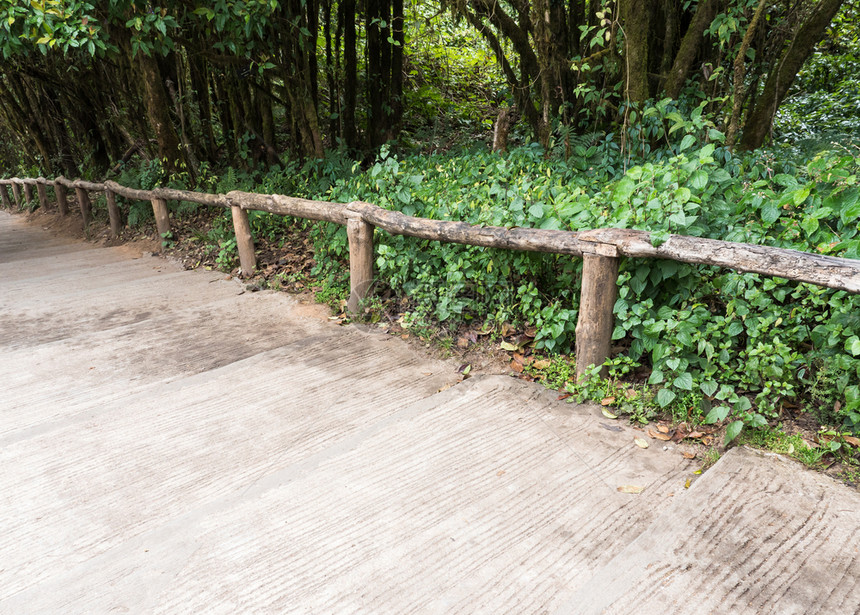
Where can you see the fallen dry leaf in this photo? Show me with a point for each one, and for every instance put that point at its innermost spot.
(565, 396)
(632, 489)
(658, 436)
(630, 393)
(662, 429)
(607, 401)
(852, 440)
(516, 366)
(462, 342)
(695, 434)
(542, 364)
(689, 455)
(509, 347)
(641, 442)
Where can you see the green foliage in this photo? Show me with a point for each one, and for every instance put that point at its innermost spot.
(722, 345)
(67, 25)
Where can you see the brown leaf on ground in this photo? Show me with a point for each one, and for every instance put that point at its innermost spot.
(658, 435)
(516, 366)
(462, 342)
(631, 489)
(607, 401)
(662, 429)
(852, 440)
(694, 435)
(542, 364)
(688, 455)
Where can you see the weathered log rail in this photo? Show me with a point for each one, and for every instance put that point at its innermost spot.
(600, 249)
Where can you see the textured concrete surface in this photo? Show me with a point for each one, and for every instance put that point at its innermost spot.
(756, 534)
(170, 444)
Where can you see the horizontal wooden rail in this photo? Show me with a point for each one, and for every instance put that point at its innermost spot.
(600, 248)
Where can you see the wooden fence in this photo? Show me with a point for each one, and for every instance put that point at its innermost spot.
(600, 249)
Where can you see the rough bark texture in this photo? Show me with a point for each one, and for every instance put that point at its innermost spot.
(162, 217)
(690, 45)
(828, 271)
(62, 201)
(780, 79)
(596, 322)
(360, 235)
(739, 73)
(44, 203)
(532, 240)
(635, 18)
(157, 108)
(244, 240)
(16, 194)
(84, 205)
(113, 212)
(290, 206)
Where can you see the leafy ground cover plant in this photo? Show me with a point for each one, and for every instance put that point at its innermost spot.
(749, 348)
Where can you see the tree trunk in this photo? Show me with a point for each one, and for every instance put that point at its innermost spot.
(782, 76)
(158, 111)
(739, 70)
(690, 45)
(350, 81)
(635, 16)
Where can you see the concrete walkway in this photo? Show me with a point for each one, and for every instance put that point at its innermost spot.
(172, 444)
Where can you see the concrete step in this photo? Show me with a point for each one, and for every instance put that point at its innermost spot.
(172, 444)
(757, 534)
(274, 486)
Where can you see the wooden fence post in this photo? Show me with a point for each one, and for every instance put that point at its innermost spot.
(244, 240)
(43, 194)
(113, 212)
(4, 195)
(28, 193)
(84, 203)
(360, 235)
(596, 302)
(16, 194)
(60, 192)
(162, 217)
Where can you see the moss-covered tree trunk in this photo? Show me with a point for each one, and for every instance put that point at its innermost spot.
(635, 17)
